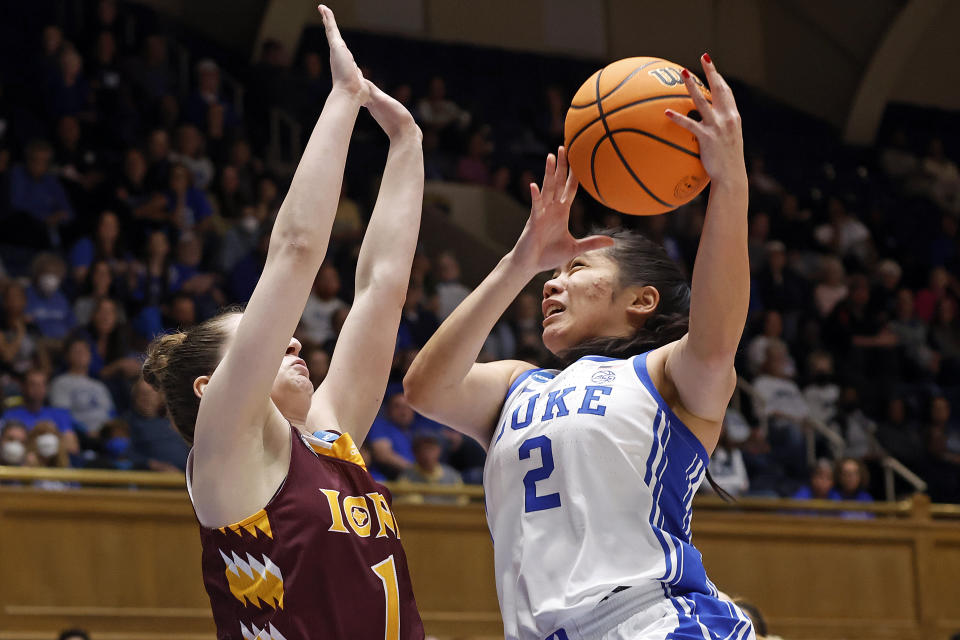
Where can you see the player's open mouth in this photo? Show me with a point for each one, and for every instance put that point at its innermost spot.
(551, 308)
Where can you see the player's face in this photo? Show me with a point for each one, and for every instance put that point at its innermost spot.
(292, 388)
(582, 301)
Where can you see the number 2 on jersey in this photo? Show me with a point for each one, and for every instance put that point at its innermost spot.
(533, 502)
(387, 572)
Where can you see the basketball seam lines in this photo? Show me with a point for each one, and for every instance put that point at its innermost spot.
(623, 161)
(621, 108)
(658, 139)
(622, 82)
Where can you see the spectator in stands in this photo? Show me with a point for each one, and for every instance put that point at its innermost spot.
(885, 291)
(436, 111)
(757, 239)
(901, 436)
(913, 340)
(68, 93)
(318, 362)
(150, 281)
(188, 208)
(51, 47)
(316, 323)
(417, 320)
(230, 201)
(860, 336)
(188, 276)
(779, 288)
(180, 313)
(74, 634)
(772, 334)
(832, 287)
(348, 223)
(88, 400)
(152, 436)
(36, 191)
(147, 207)
(151, 72)
(391, 437)
(760, 180)
(940, 285)
(241, 237)
(47, 305)
(783, 405)
(843, 234)
(850, 481)
(941, 467)
(821, 482)
(19, 337)
(76, 162)
(945, 338)
(112, 360)
(108, 82)
(190, 153)
(859, 430)
(474, 166)
(427, 468)
(104, 244)
(46, 447)
(207, 93)
(897, 160)
(249, 169)
(450, 291)
(943, 176)
(727, 467)
(114, 449)
(98, 285)
(35, 408)
(13, 443)
(160, 158)
(822, 393)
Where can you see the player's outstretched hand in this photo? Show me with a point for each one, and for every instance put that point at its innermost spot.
(546, 242)
(719, 132)
(394, 118)
(344, 71)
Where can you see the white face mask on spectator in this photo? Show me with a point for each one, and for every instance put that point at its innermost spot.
(48, 445)
(13, 452)
(48, 283)
(249, 224)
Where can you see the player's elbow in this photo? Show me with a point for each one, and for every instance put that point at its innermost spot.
(417, 390)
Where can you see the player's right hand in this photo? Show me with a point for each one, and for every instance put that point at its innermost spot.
(394, 118)
(344, 72)
(546, 242)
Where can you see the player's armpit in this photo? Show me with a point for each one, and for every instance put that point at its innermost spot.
(471, 406)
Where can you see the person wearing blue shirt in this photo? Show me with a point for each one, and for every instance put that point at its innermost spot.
(34, 409)
(391, 436)
(47, 305)
(37, 192)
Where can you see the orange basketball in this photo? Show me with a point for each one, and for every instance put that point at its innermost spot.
(625, 151)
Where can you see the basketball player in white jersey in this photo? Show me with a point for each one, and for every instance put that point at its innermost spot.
(591, 469)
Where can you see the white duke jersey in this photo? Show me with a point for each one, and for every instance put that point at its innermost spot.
(589, 481)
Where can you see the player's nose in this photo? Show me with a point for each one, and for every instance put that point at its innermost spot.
(294, 347)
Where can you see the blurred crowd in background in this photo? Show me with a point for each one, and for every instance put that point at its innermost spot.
(137, 197)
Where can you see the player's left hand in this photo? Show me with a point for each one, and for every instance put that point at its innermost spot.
(719, 132)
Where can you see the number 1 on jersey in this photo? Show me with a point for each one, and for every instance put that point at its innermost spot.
(387, 572)
(533, 502)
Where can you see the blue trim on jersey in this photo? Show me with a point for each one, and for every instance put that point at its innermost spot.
(702, 616)
(640, 366)
(597, 358)
(520, 378)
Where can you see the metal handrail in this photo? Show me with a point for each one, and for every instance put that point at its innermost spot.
(814, 427)
(280, 122)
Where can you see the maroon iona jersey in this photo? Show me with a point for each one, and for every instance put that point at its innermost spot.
(321, 560)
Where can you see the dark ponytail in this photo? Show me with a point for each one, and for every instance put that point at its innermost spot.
(643, 262)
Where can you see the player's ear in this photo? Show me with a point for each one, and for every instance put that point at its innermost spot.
(643, 301)
(200, 385)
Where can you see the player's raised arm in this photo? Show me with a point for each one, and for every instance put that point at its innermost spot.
(236, 399)
(350, 395)
(701, 363)
(445, 382)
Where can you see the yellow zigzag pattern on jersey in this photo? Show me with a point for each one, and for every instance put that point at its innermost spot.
(254, 582)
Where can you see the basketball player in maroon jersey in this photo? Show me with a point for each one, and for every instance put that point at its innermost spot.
(298, 541)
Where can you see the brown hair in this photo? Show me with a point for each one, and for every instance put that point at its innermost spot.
(175, 360)
(60, 459)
